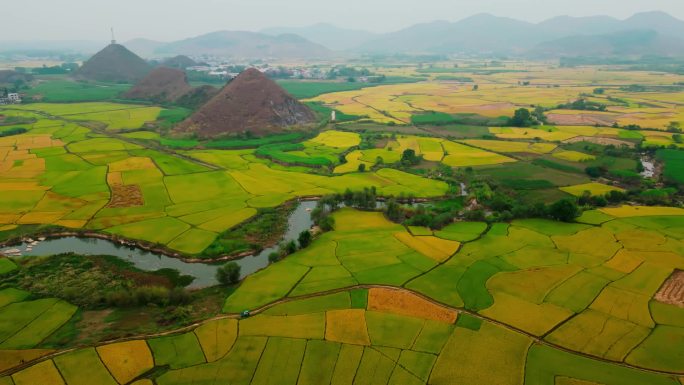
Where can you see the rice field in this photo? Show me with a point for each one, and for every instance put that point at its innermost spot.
(530, 301)
(509, 147)
(62, 173)
(329, 341)
(592, 188)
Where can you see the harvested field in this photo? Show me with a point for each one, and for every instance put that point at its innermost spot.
(13, 358)
(600, 140)
(582, 119)
(126, 196)
(672, 291)
(408, 304)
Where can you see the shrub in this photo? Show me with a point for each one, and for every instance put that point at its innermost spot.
(228, 274)
(273, 257)
(564, 210)
(304, 239)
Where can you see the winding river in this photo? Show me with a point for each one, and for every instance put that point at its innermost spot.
(204, 273)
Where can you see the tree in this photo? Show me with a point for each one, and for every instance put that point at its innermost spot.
(674, 127)
(522, 118)
(594, 171)
(539, 114)
(304, 239)
(228, 274)
(327, 223)
(362, 167)
(409, 157)
(348, 197)
(393, 211)
(677, 138)
(290, 247)
(476, 87)
(564, 210)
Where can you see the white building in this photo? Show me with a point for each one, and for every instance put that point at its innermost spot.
(14, 98)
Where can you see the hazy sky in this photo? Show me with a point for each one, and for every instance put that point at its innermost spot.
(175, 19)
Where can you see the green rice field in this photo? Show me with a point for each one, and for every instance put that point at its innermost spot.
(531, 255)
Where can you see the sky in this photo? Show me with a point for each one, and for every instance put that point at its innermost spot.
(168, 20)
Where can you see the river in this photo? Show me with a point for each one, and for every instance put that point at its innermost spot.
(204, 273)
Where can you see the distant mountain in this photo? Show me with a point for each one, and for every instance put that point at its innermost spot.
(114, 64)
(197, 97)
(170, 85)
(246, 45)
(327, 35)
(406, 40)
(162, 84)
(628, 43)
(484, 33)
(179, 61)
(144, 47)
(563, 26)
(660, 22)
(479, 33)
(249, 103)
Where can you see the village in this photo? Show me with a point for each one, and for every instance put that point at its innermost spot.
(9, 98)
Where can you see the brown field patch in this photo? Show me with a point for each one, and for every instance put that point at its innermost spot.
(6, 218)
(126, 196)
(600, 140)
(672, 291)
(114, 178)
(580, 119)
(12, 358)
(71, 223)
(41, 217)
(408, 304)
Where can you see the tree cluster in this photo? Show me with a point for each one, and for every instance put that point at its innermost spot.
(582, 105)
(523, 118)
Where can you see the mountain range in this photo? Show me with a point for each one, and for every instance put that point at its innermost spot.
(649, 33)
(485, 33)
(327, 35)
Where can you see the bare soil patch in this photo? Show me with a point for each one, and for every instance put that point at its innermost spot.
(126, 196)
(672, 291)
(599, 140)
(408, 304)
(93, 325)
(580, 119)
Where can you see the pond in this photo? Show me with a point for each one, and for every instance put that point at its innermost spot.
(204, 273)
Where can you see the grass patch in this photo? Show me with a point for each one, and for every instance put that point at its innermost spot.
(65, 91)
